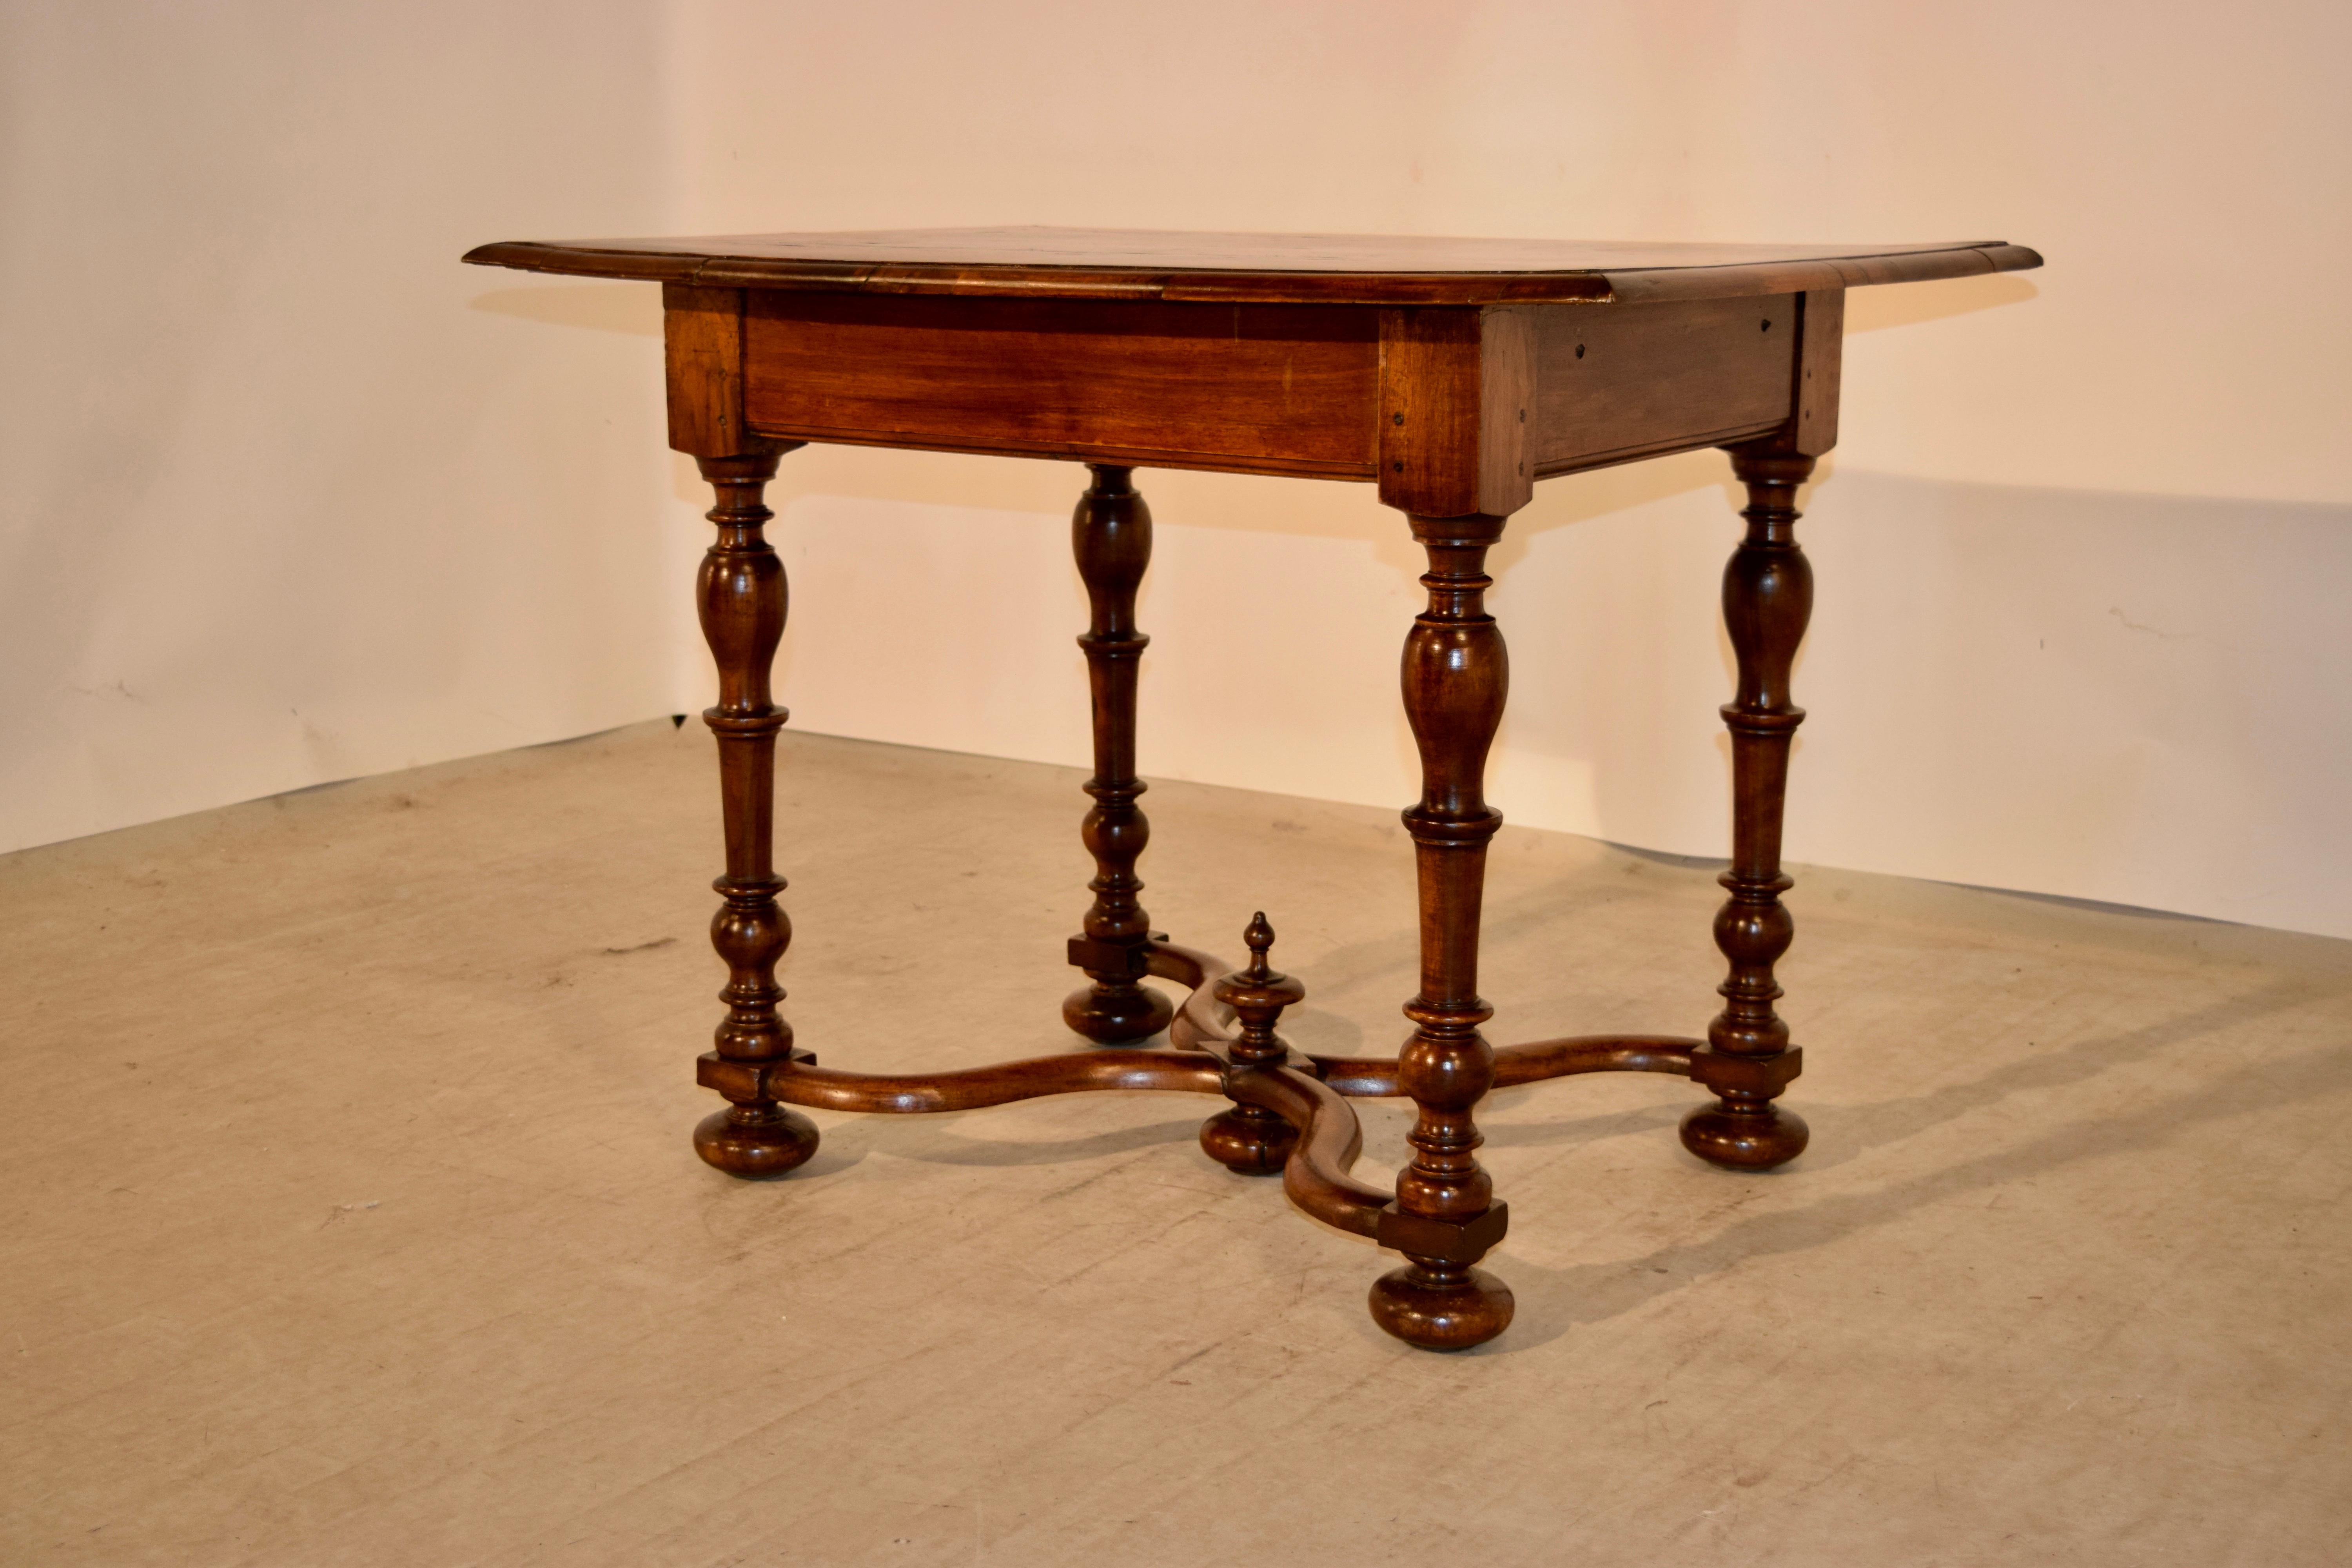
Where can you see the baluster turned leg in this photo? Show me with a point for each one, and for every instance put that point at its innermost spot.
(1445, 1218)
(742, 610)
(1768, 596)
(1111, 535)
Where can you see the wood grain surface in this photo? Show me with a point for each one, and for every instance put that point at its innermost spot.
(1325, 269)
(1612, 385)
(1272, 389)
(1454, 373)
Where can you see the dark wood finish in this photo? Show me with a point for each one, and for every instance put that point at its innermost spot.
(1821, 343)
(1375, 1077)
(1454, 680)
(1110, 533)
(1316, 1179)
(800, 1081)
(1300, 268)
(1451, 409)
(1316, 1176)
(1246, 388)
(740, 602)
(1615, 386)
(1249, 1139)
(1768, 596)
(1457, 395)
(742, 610)
(1454, 373)
(702, 338)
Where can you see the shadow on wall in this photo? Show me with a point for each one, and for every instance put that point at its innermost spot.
(1875, 309)
(632, 308)
(2132, 699)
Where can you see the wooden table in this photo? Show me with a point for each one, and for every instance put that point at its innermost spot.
(1453, 373)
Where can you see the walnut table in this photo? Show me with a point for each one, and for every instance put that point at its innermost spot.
(1453, 373)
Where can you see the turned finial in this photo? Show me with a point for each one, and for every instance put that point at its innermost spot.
(1260, 937)
(1248, 1138)
(1257, 996)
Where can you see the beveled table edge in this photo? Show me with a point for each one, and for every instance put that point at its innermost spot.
(1623, 286)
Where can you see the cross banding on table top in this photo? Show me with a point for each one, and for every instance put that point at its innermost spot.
(1451, 372)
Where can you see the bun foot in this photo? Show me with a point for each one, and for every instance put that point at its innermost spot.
(1116, 1014)
(1755, 1136)
(1248, 1141)
(762, 1139)
(1439, 1305)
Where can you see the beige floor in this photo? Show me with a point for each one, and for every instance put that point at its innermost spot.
(351, 1218)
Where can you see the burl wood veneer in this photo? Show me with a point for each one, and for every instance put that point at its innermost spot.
(1453, 373)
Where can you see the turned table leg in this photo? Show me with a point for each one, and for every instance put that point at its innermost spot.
(1445, 1218)
(742, 611)
(1768, 595)
(1111, 534)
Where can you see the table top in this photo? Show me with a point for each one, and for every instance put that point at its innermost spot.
(1320, 269)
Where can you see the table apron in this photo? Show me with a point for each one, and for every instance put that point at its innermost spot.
(1300, 390)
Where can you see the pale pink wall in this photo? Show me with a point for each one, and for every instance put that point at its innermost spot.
(2081, 551)
(287, 495)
